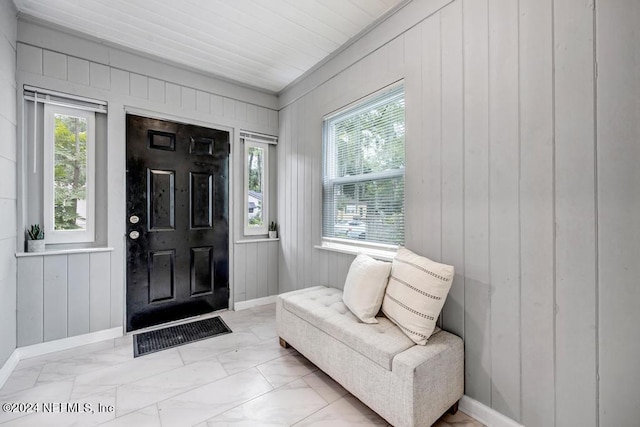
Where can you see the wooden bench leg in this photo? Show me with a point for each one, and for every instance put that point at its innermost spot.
(454, 408)
(284, 344)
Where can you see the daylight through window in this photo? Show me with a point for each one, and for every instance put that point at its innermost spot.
(363, 194)
(69, 183)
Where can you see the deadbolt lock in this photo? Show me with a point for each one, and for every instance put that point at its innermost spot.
(133, 219)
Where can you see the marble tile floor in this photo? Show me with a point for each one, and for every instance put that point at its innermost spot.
(244, 378)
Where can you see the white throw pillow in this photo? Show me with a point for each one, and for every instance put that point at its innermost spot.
(416, 293)
(364, 287)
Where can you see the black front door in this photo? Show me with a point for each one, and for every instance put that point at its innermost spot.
(177, 221)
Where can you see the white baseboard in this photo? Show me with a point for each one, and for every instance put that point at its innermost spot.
(8, 367)
(243, 305)
(67, 343)
(486, 415)
(34, 350)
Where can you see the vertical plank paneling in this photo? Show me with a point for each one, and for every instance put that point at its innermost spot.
(119, 81)
(413, 183)
(283, 142)
(240, 273)
(319, 258)
(54, 64)
(536, 213)
(252, 114)
(309, 214)
(9, 116)
(100, 76)
(188, 98)
(156, 90)
(78, 294)
(284, 164)
(99, 291)
(476, 205)
(55, 297)
(302, 210)
(29, 59)
(396, 58)
(138, 86)
(273, 249)
(229, 108)
(250, 265)
(203, 104)
(297, 189)
(173, 95)
(263, 116)
(618, 138)
(262, 270)
(342, 264)
(30, 297)
(522, 191)
(284, 188)
(576, 285)
(332, 264)
(430, 149)
(292, 203)
(117, 292)
(241, 111)
(217, 108)
(504, 239)
(78, 71)
(453, 163)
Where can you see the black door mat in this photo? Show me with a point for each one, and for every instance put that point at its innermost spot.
(173, 336)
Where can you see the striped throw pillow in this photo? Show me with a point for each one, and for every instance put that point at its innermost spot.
(416, 293)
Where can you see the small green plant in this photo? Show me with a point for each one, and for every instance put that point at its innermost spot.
(273, 226)
(35, 232)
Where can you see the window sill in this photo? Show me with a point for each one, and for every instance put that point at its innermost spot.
(258, 240)
(62, 252)
(381, 254)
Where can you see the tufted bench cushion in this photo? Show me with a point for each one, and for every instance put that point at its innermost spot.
(323, 307)
(409, 385)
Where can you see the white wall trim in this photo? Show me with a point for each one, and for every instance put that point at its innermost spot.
(8, 367)
(67, 343)
(243, 305)
(486, 415)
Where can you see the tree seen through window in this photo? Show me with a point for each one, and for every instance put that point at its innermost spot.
(70, 172)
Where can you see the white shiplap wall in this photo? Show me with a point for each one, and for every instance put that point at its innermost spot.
(62, 295)
(8, 177)
(521, 172)
(618, 184)
(55, 60)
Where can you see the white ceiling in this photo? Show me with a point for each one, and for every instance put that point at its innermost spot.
(260, 43)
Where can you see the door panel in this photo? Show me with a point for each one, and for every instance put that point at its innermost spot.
(161, 275)
(201, 200)
(161, 193)
(178, 187)
(201, 271)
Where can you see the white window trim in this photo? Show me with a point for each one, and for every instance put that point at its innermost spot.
(382, 251)
(264, 230)
(67, 236)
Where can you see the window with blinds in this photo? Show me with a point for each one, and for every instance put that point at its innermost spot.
(61, 131)
(363, 185)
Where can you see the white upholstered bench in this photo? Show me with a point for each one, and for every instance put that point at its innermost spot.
(405, 383)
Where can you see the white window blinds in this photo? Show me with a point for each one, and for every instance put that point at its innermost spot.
(363, 186)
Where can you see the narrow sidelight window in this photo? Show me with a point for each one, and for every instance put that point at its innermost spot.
(256, 187)
(69, 159)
